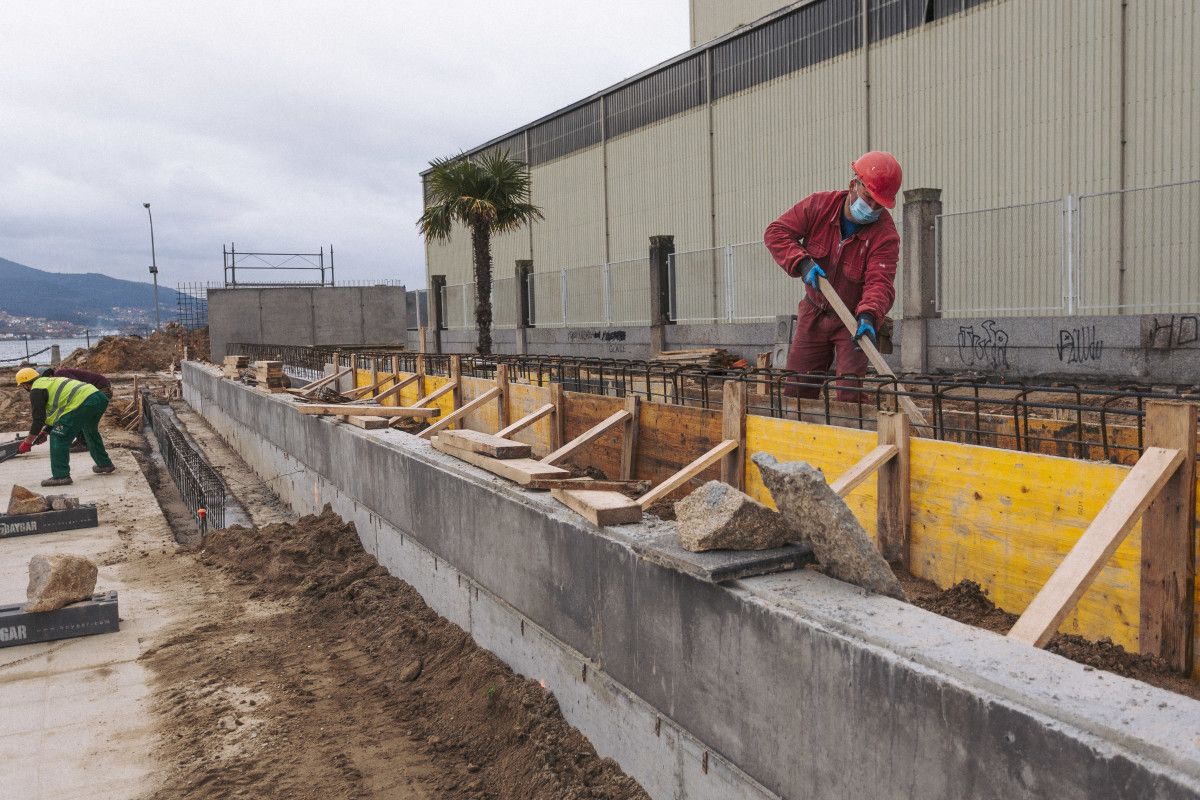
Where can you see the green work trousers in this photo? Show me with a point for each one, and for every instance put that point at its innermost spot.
(84, 421)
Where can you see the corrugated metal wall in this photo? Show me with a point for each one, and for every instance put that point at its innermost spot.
(713, 18)
(1008, 106)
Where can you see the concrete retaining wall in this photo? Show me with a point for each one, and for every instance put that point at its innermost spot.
(306, 315)
(793, 682)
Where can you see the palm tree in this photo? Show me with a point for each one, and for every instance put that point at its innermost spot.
(488, 194)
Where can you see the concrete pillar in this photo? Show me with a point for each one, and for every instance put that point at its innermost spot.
(438, 317)
(524, 311)
(661, 290)
(919, 298)
(56, 355)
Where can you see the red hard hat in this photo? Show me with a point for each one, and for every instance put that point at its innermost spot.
(880, 173)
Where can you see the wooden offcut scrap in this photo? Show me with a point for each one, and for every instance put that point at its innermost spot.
(705, 357)
(485, 443)
(369, 423)
(599, 506)
(517, 470)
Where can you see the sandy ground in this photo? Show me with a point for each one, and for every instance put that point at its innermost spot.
(75, 715)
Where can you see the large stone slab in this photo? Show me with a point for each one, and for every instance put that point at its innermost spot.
(719, 517)
(812, 509)
(57, 580)
(23, 501)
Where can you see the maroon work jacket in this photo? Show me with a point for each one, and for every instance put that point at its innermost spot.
(862, 268)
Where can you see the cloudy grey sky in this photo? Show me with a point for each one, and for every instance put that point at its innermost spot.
(281, 126)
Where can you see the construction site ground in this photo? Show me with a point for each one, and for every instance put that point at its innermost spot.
(279, 660)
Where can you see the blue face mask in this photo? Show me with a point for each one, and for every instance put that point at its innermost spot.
(863, 214)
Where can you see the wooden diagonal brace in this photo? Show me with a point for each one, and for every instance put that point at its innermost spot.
(585, 437)
(864, 469)
(687, 473)
(460, 412)
(1101, 539)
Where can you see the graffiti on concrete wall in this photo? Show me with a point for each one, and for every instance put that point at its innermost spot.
(1168, 331)
(987, 346)
(1079, 345)
(614, 341)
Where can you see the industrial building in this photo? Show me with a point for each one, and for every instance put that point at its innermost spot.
(1061, 135)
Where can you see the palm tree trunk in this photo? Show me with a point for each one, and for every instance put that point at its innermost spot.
(481, 242)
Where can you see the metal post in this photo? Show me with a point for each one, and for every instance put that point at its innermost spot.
(563, 293)
(321, 262)
(1070, 231)
(331, 274)
(26, 348)
(153, 269)
(607, 299)
(87, 334)
(729, 283)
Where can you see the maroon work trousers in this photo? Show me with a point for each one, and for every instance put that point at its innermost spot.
(820, 340)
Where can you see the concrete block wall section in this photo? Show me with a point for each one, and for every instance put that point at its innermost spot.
(306, 315)
(802, 683)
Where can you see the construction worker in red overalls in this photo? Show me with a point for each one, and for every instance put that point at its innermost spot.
(847, 237)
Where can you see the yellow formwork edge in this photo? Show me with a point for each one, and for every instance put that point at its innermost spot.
(1001, 518)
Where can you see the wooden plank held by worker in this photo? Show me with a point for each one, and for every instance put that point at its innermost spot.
(868, 347)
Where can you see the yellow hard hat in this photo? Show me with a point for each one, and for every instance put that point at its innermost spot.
(26, 374)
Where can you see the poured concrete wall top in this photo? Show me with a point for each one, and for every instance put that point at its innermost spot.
(306, 315)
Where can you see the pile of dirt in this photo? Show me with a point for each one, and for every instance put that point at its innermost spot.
(14, 403)
(967, 602)
(358, 656)
(134, 353)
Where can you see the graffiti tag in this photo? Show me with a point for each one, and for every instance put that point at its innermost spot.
(988, 346)
(1079, 345)
(1173, 331)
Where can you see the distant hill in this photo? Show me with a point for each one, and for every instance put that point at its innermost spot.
(84, 298)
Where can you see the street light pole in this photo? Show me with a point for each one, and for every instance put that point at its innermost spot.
(153, 269)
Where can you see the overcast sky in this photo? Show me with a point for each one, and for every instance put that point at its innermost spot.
(282, 126)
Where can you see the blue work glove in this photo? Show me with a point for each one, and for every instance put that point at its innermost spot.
(866, 326)
(812, 273)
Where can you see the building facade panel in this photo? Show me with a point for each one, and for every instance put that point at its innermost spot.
(713, 18)
(658, 183)
(570, 192)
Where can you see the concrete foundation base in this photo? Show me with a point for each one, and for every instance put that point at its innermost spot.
(791, 685)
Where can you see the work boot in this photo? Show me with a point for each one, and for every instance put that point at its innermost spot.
(104, 470)
(57, 481)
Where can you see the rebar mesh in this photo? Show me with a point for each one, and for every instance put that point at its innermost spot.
(199, 484)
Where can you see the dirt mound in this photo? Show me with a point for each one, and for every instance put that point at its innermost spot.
(404, 678)
(967, 602)
(14, 404)
(137, 354)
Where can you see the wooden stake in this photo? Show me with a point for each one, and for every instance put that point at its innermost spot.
(459, 412)
(421, 374)
(629, 439)
(422, 339)
(502, 398)
(591, 433)
(456, 379)
(558, 423)
(1168, 575)
(892, 495)
(687, 473)
(375, 381)
(733, 426)
(762, 386)
(1101, 539)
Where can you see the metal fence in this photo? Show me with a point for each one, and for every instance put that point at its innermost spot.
(199, 484)
(504, 303)
(458, 304)
(192, 302)
(1116, 252)
(734, 283)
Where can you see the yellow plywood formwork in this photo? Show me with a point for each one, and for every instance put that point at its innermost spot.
(830, 449)
(1001, 518)
(524, 399)
(484, 418)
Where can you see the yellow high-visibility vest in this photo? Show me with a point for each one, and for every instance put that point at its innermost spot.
(66, 395)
